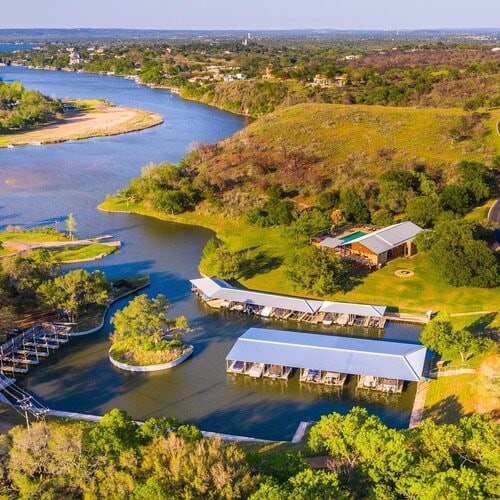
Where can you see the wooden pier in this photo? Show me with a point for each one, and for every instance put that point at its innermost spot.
(19, 353)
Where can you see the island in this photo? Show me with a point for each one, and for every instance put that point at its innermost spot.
(145, 339)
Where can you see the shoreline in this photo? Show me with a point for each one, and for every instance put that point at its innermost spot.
(101, 120)
(153, 86)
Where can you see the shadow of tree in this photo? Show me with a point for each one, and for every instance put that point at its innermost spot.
(449, 410)
(482, 323)
(260, 263)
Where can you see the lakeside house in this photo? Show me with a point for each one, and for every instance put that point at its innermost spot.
(74, 58)
(376, 248)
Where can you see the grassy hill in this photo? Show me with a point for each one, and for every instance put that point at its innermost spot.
(308, 148)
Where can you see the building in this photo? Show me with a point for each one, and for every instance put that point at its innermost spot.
(378, 364)
(74, 58)
(219, 294)
(377, 247)
(340, 80)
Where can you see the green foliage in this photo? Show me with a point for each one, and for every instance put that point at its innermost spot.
(75, 291)
(438, 334)
(144, 334)
(22, 109)
(475, 179)
(224, 263)
(382, 218)
(319, 272)
(423, 210)
(456, 199)
(164, 187)
(460, 257)
(307, 224)
(355, 209)
(431, 461)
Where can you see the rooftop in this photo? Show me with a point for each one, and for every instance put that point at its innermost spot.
(389, 237)
(354, 356)
(215, 288)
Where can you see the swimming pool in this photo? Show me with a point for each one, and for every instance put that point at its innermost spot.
(352, 236)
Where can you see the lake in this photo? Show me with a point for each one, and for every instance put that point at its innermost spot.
(42, 184)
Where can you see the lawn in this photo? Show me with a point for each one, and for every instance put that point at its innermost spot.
(34, 236)
(83, 253)
(424, 291)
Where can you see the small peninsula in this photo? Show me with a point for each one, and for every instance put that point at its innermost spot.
(84, 119)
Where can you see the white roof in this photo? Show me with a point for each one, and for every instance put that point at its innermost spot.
(354, 356)
(330, 242)
(215, 288)
(357, 309)
(389, 237)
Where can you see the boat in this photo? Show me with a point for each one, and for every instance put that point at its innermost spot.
(256, 370)
(343, 319)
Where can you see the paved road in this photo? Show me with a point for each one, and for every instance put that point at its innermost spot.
(494, 213)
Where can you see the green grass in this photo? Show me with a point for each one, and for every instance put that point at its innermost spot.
(32, 236)
(420, 293)
(450, 398)
(82, 253)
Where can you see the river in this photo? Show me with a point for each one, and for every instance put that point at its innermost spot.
(42, 184)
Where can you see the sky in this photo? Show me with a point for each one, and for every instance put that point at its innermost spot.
(250, 14)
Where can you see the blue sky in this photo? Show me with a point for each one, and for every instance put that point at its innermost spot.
(251, 14)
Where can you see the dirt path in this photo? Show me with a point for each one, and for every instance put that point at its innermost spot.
(107, 120)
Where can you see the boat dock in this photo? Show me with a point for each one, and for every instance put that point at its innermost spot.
(326, 359)
(219, 294)
(27, 348)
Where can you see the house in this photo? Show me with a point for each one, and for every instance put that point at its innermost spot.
(322, 81)
(340, 80)
(74, 58)
(377, 247)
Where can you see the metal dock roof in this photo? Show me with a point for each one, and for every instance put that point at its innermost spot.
(354, 356)
(215, 288)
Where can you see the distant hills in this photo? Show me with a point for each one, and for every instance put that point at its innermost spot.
(84, 34)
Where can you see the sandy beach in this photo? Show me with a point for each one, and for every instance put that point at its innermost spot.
(101, 120)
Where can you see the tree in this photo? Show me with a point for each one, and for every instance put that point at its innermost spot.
(355, 209)
(75, 291)
(455, 199)
(316, 271)
(460, 257)
(222, 262)
(474, 176)
(423, 210)
(438, 334)
(469, 344)
(71, 225)
(309, 223)
(143, 317)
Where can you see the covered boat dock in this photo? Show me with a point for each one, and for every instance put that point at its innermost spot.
(326, 359)
(218, 293)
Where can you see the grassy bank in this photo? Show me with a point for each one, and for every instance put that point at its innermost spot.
(90, 118)
(85, 252)
(422, 292)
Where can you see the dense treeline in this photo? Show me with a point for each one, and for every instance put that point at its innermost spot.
(22, 109)
(36, 281)
(407, 75)
(117, 458)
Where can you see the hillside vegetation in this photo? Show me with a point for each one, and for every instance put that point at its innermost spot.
(310, 148)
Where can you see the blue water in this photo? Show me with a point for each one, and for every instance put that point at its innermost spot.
(13, 47)
(45, 183)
